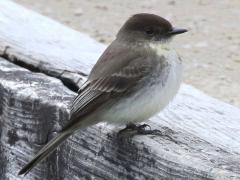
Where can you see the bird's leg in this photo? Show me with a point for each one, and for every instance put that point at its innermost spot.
(129, 127)
(133, 129)
(145, 129)
(166, 132)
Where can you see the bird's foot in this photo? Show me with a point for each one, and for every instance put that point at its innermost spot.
(144, 129)
(133, 129)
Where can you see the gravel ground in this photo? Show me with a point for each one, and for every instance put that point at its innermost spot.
(210, 51)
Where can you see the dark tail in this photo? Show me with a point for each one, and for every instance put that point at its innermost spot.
(45, 152)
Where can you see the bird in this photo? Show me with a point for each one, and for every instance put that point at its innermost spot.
(136, 77)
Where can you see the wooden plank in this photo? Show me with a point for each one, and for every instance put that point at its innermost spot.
(45, 45)
(27, 115)
(201, 133)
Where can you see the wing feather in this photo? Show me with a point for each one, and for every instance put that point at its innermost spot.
(117, 83)
(108, 84)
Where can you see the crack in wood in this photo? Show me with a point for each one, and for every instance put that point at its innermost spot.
(62, 75)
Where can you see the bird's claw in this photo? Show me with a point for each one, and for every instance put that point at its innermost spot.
(133, 129)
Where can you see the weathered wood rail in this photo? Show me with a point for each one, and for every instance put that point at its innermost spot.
(42, 62)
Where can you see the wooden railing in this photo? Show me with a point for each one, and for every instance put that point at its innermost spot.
(42, 65)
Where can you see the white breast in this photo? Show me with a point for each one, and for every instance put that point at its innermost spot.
(150, 99)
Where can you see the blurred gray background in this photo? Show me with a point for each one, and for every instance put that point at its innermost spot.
(210, 51)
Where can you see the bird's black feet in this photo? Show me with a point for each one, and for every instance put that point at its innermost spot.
(133, 129)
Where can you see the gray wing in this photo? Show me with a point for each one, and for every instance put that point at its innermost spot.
(96, 92)
(117, 71)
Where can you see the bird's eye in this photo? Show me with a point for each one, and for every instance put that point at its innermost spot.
(149, 31)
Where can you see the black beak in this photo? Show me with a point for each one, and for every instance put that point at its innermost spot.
(175, 31)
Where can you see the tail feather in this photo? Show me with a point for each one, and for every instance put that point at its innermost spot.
(45, 152)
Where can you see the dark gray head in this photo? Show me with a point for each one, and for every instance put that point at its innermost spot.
(149, 27)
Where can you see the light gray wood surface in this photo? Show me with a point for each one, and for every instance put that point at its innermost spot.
(200, 134)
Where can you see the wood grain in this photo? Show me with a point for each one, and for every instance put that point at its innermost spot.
(200, 135)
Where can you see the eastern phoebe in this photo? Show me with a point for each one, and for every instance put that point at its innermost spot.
(135, 78)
